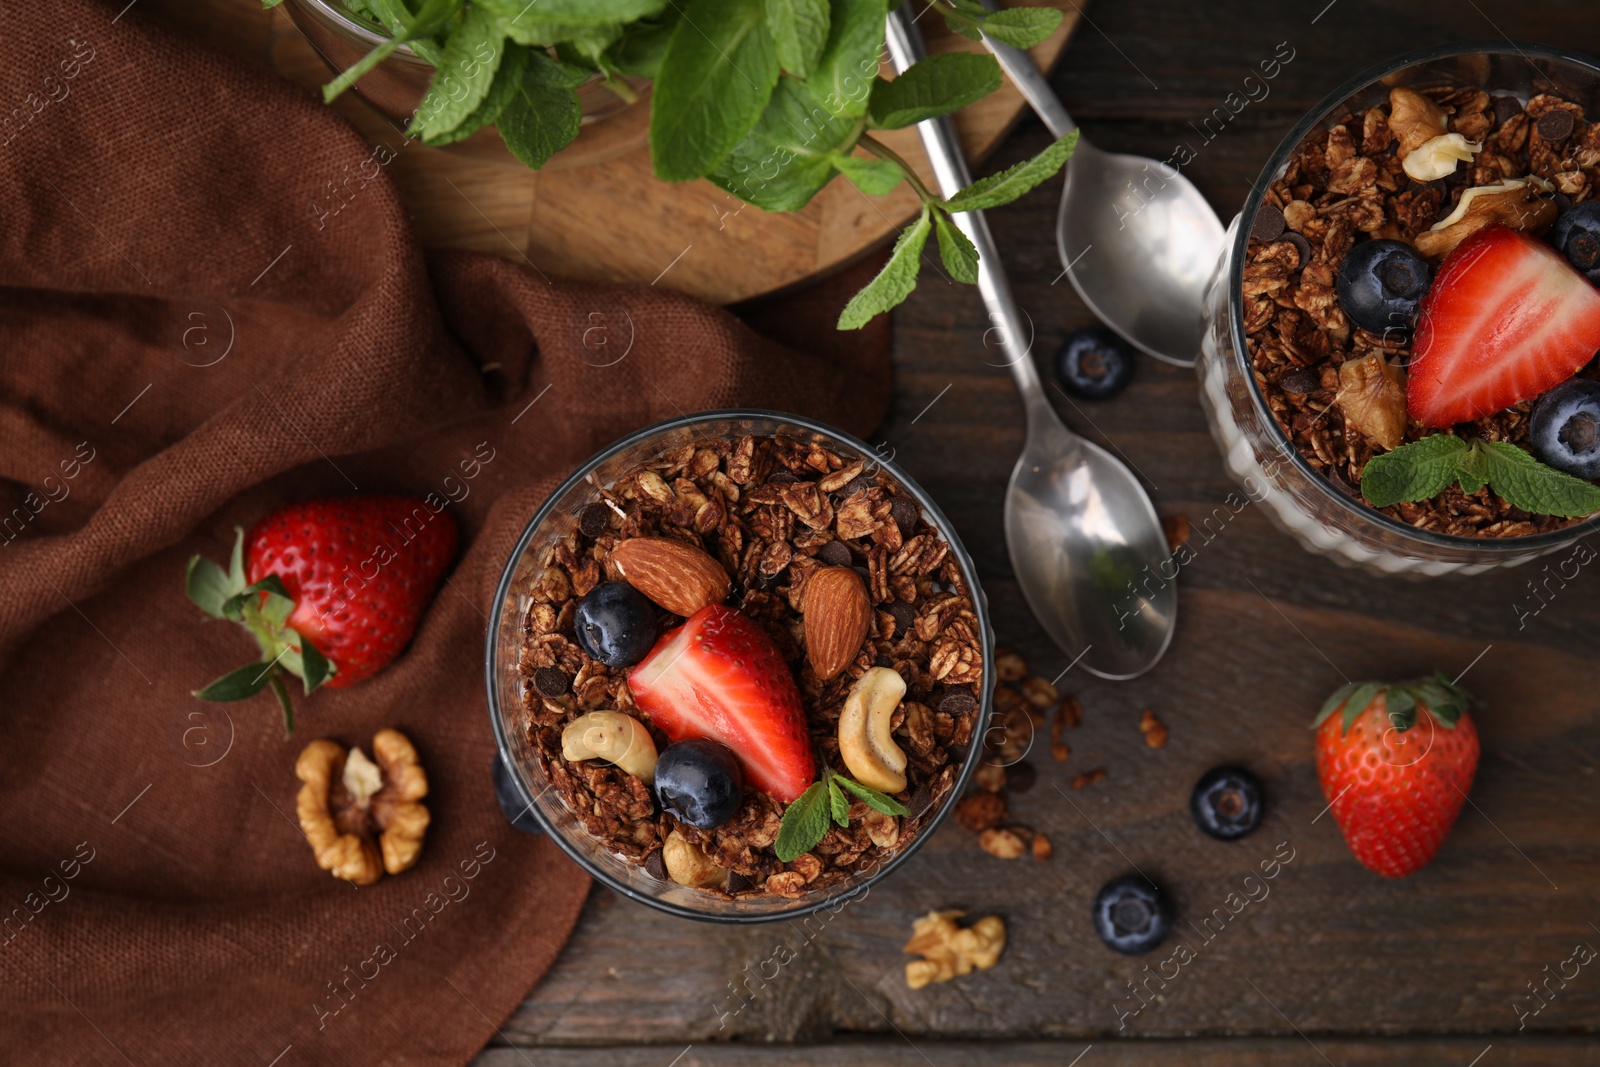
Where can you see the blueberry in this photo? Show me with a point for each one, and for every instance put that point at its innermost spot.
(1380, 285)
(700, 782)
(615, 624)
(1565, 429)
(1577, 236)
(1131, 915)
(517, 811)
(1227, 803)
(1094, 363)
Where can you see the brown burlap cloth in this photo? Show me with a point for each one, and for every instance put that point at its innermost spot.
(183, 348)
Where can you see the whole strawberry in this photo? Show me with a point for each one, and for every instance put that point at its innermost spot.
(331, 590)
(1396, 763)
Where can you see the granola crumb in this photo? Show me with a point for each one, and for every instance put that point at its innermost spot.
(1060, 752)
(1002, 843)
(1041, 847)
(1176, 527)
(1155, 732)
(1088, 778)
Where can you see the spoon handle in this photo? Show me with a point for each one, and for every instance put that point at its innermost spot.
(943, 147)
(1030, 81)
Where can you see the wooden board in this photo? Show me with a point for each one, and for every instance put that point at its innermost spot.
(597, 212)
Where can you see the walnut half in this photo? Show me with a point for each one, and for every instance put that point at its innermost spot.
(948, 950)
(363, 817)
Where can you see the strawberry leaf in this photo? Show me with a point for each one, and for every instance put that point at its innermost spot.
(240, 684)
(283, 702)
(839, 802)
(1357, 703)
(805, 822)
(207, 586)
(872, 798)
(315, 668)
(1400, 706)
(1334, 703)
(236, 561)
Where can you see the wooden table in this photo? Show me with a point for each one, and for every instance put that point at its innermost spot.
(1336, 961)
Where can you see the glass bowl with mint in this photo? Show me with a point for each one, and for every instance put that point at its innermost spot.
(768, 99)
(1401, 361)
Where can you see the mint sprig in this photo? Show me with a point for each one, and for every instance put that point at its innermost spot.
(805, 822)
(770, 99)
(1423, 469)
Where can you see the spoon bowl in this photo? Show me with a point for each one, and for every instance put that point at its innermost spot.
(1139, 243)
(1082, 534)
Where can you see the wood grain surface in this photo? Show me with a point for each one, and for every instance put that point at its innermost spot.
(1335, 960)
(1265, 632)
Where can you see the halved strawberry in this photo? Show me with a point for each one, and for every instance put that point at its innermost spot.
(720, 676)
(1507, 318)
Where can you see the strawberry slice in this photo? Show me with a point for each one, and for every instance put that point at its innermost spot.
(1507, 318)
(720, 676)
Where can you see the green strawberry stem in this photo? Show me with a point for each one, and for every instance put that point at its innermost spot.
(263, 609)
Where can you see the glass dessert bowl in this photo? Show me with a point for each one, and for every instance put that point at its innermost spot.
(719, 637)
(1399, 361)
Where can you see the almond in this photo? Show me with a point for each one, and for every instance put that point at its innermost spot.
(837, 617)
(679, 577)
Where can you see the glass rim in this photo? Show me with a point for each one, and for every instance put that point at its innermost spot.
(355, 27)
(581, 474)
(1535, 543)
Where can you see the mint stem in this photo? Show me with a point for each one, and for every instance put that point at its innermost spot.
(883, 151)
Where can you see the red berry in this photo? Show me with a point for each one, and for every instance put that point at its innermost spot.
(720, 676)
(1397, 782)
(1507, 318)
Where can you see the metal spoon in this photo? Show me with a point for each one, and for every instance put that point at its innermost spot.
(1136, 237)
(1085, 541)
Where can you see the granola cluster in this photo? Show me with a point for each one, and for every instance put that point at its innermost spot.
(772, 511)
(1346, 184)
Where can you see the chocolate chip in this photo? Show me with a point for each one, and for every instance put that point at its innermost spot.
(738, 883)
(835, 554)
(904, 616)
(957, 754)
(1269, 223)
(1506, 108)
(783, 477)
(921, 798)
(593, 519)
(1563, 201)
(1300, 381)
(1556, 125)
(866, 576)
(904, 513)
(885, 661)
(550, 682)
(656, 864)
(1020, 777)
(857, 484)
(957, 702)
(1301, 245)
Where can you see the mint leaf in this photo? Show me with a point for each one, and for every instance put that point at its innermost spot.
(714, 82)
(849, 65)
(542, 116)
(639, 50)
(873, 799)
(934, 86)
(875, 177)
(805, 822)
(1420, 470)
(789, 156)
(519, 15)
(799, 31)
(463, 77)
(241, 684)
(959, 256)
(507, 79)
(1022, 27)
(894, 282)
(207, 586)
(838, 802)
(1012, 182)
(1522, 481)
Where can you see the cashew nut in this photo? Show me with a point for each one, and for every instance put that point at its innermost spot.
(688, 865)
(611, 735)
(865, 743)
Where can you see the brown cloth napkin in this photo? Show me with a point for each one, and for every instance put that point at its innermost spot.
(182, 348)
